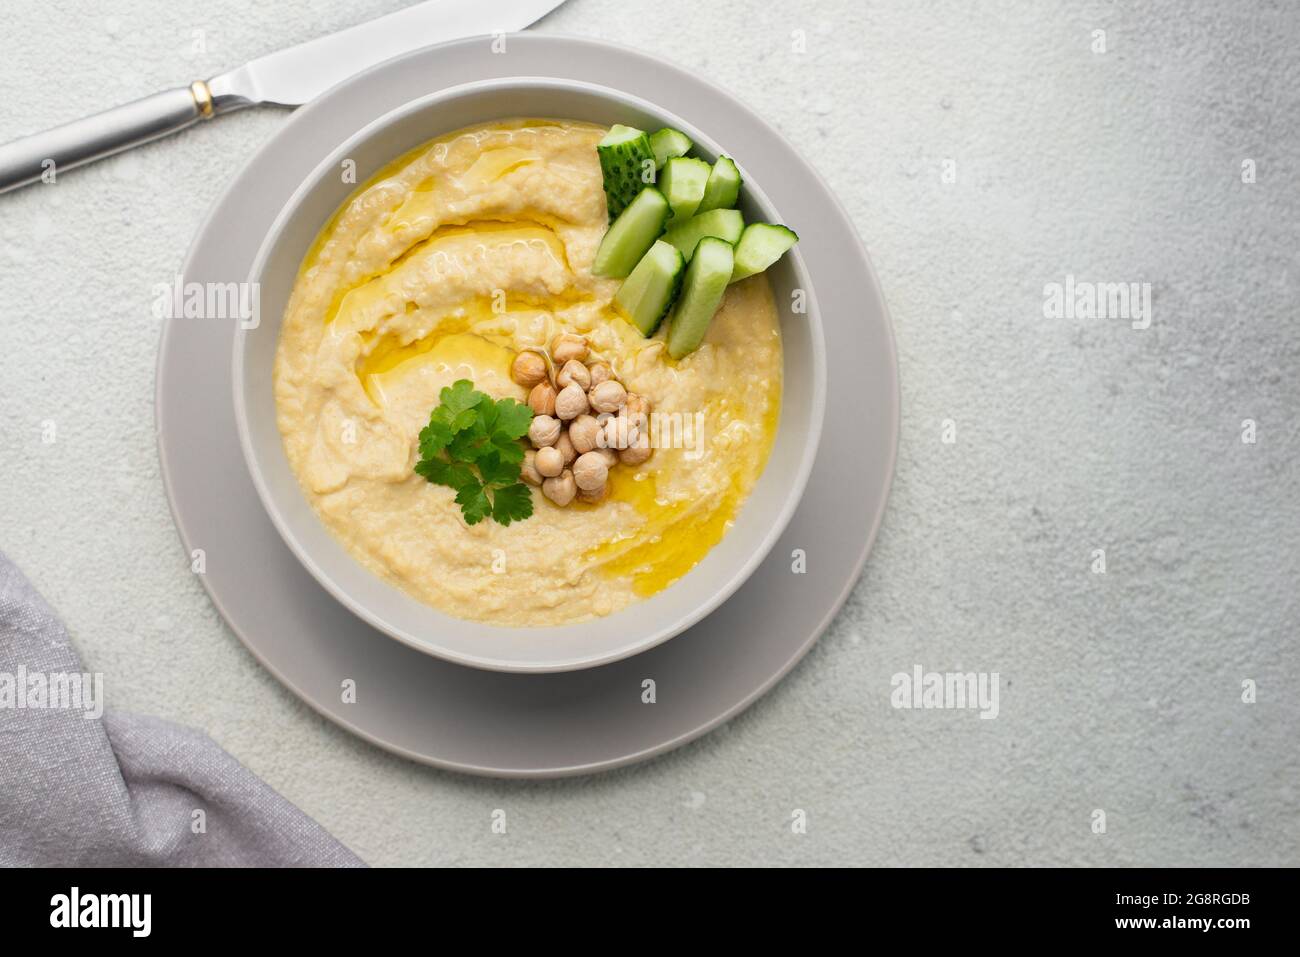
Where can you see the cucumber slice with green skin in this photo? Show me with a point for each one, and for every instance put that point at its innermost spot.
(702, 291)
(634, 232)
(668, 143)
(627, 163)
(724, 224)
(683, 181)
(723, 188)
(646, 295)
(761, 244)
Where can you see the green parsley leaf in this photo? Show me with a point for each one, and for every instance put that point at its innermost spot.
(441, 472)
(512, 503)
(461, 396)
(468, 445)
(497, 472)
(513, 418)
(453, 416)
(473, 502)
(508, 450)
(471, 444)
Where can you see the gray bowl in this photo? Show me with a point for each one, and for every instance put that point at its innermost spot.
(634, 629)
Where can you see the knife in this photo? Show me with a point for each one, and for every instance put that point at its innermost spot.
(289, 77)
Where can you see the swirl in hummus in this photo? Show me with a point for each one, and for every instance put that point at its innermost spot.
(455, 257)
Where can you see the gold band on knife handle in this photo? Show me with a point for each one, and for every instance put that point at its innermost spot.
(202, 98)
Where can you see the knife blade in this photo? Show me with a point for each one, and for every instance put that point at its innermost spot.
(298, 74)
(287, 77)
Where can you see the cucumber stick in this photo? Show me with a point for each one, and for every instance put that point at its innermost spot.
(627, 163)
(761, 244)
(683, 181)
(646, 295)
(668, 143)
(629, 236)
(724, 224)
(723, 188)
(702, 291)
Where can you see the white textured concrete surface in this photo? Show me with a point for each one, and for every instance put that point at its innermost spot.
(1120, 691)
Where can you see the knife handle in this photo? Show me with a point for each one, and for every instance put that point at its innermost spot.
(45, 155)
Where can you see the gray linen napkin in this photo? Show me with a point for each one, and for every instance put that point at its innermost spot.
(80, 789)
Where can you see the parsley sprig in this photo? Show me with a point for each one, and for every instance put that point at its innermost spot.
(471, 444)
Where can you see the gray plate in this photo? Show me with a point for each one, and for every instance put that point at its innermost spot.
(507, 724)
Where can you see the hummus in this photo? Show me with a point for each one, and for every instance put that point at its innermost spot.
(442, 267)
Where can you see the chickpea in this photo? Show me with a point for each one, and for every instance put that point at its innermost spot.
(550, 461)
(544, 431)
(619, 432)
(609, 433)
(609, 455)
(528, 471)
(567, 346)
(608, 396)
(590, 471)
(636, 453)
(632, 427)
(637, 411)
(637, 405)
(594, 497)
(528, 369)
(571, 402)
(565, 445)
(560, 489)
(584, 432)
(574, 371)
(600, 372)
(542, 399)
